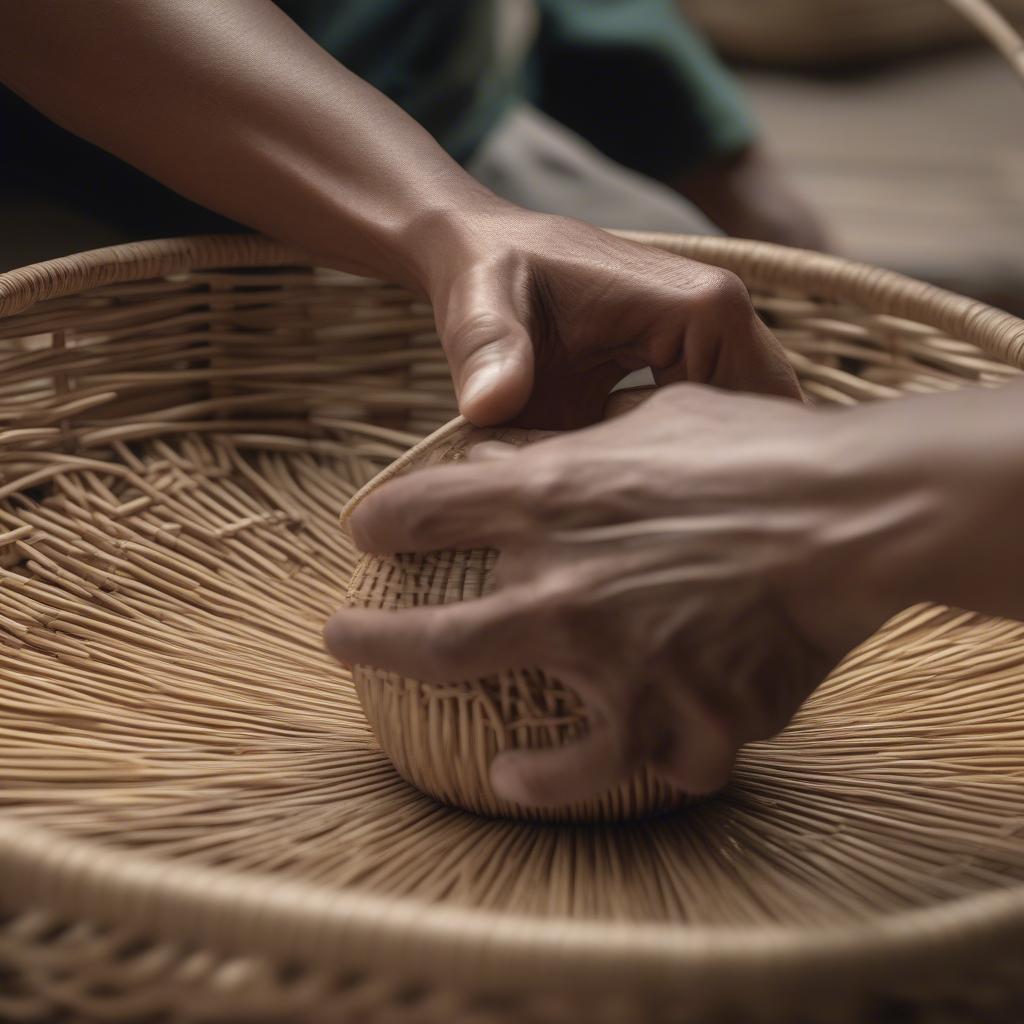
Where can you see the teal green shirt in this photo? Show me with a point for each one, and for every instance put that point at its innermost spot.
(630, 76)
(635, 80)
(434, 58)
(627, 75)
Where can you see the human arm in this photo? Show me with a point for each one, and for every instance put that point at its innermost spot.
(698, 566)
(233, 106)
(748, 194)
(637, 81)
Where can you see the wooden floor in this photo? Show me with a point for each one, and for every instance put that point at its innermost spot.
(919, 168)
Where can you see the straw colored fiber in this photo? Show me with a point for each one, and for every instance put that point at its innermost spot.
(197, 822)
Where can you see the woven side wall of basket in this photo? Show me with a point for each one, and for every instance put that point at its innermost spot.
(196, 822)
(443, 738)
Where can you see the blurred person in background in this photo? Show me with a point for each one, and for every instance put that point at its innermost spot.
(614, 111)
(632, 81)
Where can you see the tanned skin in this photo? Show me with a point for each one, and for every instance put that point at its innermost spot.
(678, 566)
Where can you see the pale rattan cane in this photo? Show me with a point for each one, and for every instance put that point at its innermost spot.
(195, 820)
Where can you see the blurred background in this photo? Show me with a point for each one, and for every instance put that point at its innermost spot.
(883, 130)
(899, 123)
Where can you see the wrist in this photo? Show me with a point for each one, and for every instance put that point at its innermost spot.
(718, 188)
(395, 230)
(440, 240)
(868, 528)
(420, 243)
(961, 482)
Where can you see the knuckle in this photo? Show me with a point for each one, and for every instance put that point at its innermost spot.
(547, 488)
(722, 291)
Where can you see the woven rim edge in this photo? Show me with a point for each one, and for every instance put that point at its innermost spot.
(250, 914)
(996, 331)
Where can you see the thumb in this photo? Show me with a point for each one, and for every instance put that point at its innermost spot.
(581, 770)
(561, 776)
(489, 352)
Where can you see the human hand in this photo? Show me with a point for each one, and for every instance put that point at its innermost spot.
(749, 196)
(676, 567)
(541, 316)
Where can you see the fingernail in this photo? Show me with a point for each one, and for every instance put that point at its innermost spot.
(480, 382)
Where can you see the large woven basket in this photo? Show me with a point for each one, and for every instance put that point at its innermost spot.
(195, 820)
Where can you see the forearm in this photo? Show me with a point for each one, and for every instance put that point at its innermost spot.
(940, 483)
(233, 106)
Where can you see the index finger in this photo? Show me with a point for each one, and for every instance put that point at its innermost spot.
(463, 506)
(439, 643)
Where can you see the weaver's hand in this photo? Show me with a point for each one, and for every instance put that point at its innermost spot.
(540, 316)
(678, 566)
(750, 196)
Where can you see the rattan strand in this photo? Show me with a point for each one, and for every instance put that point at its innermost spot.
(996, 28)
(194, 817)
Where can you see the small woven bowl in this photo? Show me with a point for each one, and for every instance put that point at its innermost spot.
(443, 739)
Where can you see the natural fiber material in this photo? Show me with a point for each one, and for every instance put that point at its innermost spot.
(443, 738)
(195, 819)
(995, 26)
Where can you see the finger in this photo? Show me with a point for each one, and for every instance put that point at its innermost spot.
(488, 348)
(750, 358)
(699, 753)
(779, 377)
(491, 451)
(626, 400)
(577, 771)
(698, 356)
(460, 506)
(569, 398)
(442, 643)
(560, 776)
(741, 356)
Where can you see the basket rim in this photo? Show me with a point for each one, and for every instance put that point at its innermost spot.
(399, 465)
(247, 914)
(833, 278)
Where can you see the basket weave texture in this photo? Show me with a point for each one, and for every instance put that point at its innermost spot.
(443, 738)
(196, 822)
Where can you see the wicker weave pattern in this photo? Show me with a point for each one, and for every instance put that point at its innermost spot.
(443, 738)
(194, 816)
